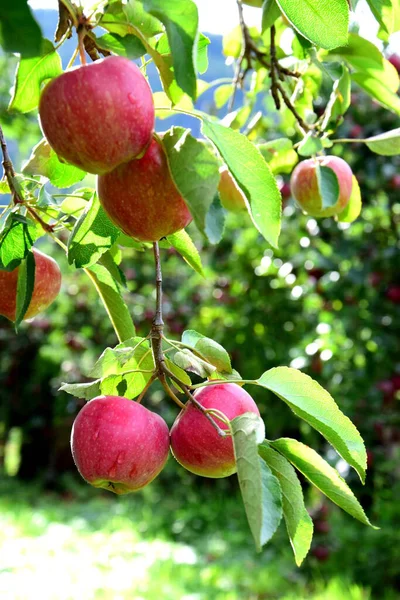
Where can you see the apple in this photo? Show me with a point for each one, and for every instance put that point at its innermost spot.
(393, 293)
(45, 291)
(141, 198)
(305, 189)
(118, 444)
(231, 196)
(395, 60)
(98, 116)
(195, 443)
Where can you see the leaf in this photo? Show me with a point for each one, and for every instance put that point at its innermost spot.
(215, 221)
(4, 187)
(19, 32)
(309, 401)
(178, 372)
(194, 169)
(110, 294)
(328, 185)
(384, 13)
(25, 285)
(16, 240)
(129, 45)
(182, 242)
(339, 100)
(186, 360)
(44, 161)
(92, 235)
(214, 353)
(190, 337)
(322, 475)
(280, 155)
(374, 87)
(299, 524)
(323, 22)
(108, 260)
(253, 176)
(88, 391)
(180, 19)
(386, 144)
(137, 16)
(353, 208)
(30, 75)
(260, 489)
(270, 13)
(310, 145)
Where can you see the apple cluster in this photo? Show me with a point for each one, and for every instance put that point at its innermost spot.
(121, 446)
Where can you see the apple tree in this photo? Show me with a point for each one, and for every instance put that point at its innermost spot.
(104, 178)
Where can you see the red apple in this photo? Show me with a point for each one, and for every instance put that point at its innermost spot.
(141, 198)
(395, 182)
(98, 116)
(305, 190)
(195, 444)
(118, 444)
(45, 291)
(231, 196)
(393, 293)
(395, 60)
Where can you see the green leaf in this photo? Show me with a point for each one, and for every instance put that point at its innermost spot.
(110, 294)
(260, 489)
(214, 353)
(186, 360)
(44, 161)
(73, 206)
(339, 101)
(322, 475)
(309, 401)
(374, 87)
(270, 13)
(299, 524)
(180, 19)
(30, 75)
(215, 221)
(4, 187)
(183, 243)
(190, 337)
(92, 235)
(194, 169)
(178, 372)
(310, 145)
(25, 285)
(353, 208)
(386, 144)
(88, 391)
(129, 45)
(16, 240)
(280, 155)
(328, 185)
(136, 15)
(19, 32)
(109, 261)
(323, 22)
(253, 176)
(384, 12)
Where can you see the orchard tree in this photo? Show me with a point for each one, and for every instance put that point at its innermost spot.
(98, 117)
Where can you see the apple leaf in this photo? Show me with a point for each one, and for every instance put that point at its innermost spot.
(374, 87)
(280, 155)
(194, 169)
(129, 45)
(25, 285)
(253, 176)
(4, 187)
(321, 475)
(180, 19)
(353, 208)
(328, 185)
(309, 401)
(270, 13)
(183, 243)
(88, 391)
(209, 349)
(92, 235)
(19, 32)
(324, 23)
(215, 221)
(386, 144)
(178, 372)
(299, 524)
(188, 361)
(110, 294)
(16, 240)
(260, 489)
(30, 75)
(44, 161)
(384, 12)
(310, 145)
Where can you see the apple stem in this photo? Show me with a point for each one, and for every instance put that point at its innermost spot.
(81, 35)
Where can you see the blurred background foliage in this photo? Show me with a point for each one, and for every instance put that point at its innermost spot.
(326, 302)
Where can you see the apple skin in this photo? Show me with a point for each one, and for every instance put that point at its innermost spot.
(98, 116)
(304, 185)
(231, 196)
(141, 198)
(195, 443)
(118, 444)
(45, 290)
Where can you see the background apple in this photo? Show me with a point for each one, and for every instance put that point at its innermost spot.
(231, 196)
(305, 190)
(98, 116)
(46, 288)
(195, 444)
(141, 198)
(118, 444)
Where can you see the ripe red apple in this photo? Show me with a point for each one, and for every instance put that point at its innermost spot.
(395, 60)
(231, 196)
(195, 444)
(98, 116)
(393, 293)
(45, 291)
(305, 190)
(141, 198)
(118, 444)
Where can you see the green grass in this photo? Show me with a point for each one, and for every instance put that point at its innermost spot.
(87, 544)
